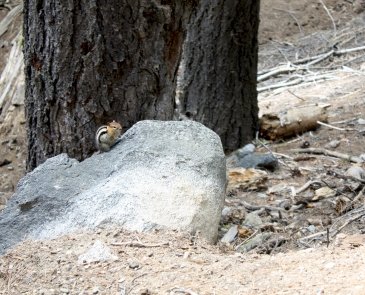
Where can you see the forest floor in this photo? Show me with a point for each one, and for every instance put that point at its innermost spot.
(316, 246)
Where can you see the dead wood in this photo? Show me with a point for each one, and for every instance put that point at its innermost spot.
(257, 207)
(320, 151)
(140, 245)
(276, 126)
(334, 127)
(307, 185)
(349, 220)
(4, 24)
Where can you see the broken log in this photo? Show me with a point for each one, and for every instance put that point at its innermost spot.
(291, 122)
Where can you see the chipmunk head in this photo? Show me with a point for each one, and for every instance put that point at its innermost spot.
(114, 128)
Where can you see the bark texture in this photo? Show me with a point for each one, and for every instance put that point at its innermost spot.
(91, 62)
(217, 86)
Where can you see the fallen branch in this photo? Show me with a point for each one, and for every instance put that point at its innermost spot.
(348, 221)
(319, 235)
(303, 79)
(325, 152)
(276, 71)
(4, 24)
(313, 236)
(350, 177)
(334, 127)
(304, 63)
(140, 245)
(289, 122)
(320, 58)
(256, 207)
(307, 185)
(329, 14)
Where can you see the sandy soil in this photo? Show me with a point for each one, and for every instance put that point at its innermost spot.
(171, 263)
(175, 263)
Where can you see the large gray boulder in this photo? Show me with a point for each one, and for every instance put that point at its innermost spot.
(160, 175)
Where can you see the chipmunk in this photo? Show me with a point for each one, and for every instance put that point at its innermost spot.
(107, 135)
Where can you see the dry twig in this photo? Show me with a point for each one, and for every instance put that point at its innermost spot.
(334, 127)
(140, 245)
(307, 185)
(256, 207)
(348, 221)
(291, 13)
(320, 151)
(329, 14)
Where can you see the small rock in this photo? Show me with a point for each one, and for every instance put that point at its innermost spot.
(230, 235)
(98, 252)
(247, 149)
(258, 161)
(226, 211)
(356, 172)
(361, 121)
(252, 220)
(332, 144)
(311, 229)
(234, 158)
(65, 290)
(133, 264)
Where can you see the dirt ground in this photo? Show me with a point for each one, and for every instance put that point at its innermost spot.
(288, 262)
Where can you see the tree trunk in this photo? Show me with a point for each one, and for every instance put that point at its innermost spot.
(217, 83)
(91, 62)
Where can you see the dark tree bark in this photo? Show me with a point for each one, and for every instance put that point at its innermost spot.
(90, 62)
(219, 69)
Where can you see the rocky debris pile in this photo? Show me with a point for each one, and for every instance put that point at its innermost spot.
(267, 210)
(160, 175)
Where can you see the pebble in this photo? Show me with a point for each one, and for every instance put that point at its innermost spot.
(252, 220)
(356, 172)
(230, 235)
(65, 290)
(133, 264)
(361, 121)
(332, 144)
